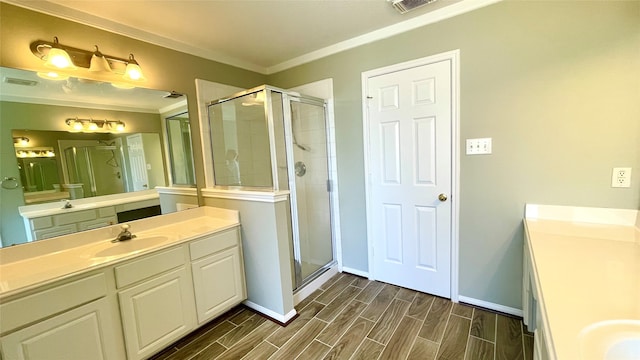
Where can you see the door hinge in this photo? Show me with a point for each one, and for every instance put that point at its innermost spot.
(329, 185)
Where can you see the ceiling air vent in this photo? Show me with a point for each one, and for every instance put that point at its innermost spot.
(16, 81)
(404, 6)
(173, 95)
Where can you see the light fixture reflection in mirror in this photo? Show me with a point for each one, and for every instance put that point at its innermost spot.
(91, 125)
(21, 141)
(29, 102)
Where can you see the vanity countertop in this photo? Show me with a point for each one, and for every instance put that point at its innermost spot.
(586, 273)
(54, 208)
(26, 266)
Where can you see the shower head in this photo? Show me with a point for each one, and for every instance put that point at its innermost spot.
(303, 147)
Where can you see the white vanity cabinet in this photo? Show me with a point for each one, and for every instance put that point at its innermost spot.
(156, 301)
(69, 321)
(43, 221)
(118, 305)
(531, 307)
(68, 223)
(218, 273)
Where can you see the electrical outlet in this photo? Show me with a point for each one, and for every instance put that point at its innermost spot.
(478, 146)
(621, 177)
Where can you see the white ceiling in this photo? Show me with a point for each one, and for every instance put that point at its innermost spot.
(259, 35)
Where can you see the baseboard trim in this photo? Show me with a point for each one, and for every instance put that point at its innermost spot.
(279, 318)
(308, 289)
(491, 306)
(355, 272)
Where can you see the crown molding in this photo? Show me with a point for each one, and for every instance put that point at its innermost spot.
(440, 14)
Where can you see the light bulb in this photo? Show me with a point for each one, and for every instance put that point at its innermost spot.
(93, 126)
(52, 75)
(59, 58)
(133, 71)
(98, 62)
(120, 85)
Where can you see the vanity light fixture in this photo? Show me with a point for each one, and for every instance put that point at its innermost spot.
(37, 152)
(91, 125)
(21, 141)
(63, 59)
(133, 71)
(98, 62)
(57, 57)
(52, 75)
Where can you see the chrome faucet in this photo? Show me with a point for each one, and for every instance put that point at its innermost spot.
(67, 204)
(124, 235)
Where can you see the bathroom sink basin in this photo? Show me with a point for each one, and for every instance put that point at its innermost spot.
(611, 340)
(131, 246)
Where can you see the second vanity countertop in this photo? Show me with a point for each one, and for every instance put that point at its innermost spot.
(55, 208)
(26, 266)
(587, 273)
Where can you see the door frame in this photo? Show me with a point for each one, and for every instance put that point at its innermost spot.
(454, 57)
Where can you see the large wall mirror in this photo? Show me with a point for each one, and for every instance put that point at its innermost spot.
(79, 139)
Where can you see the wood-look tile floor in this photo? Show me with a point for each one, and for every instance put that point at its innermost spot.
(354, 318)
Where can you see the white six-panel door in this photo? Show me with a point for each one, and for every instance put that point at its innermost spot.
(409, 186)
(137, 163)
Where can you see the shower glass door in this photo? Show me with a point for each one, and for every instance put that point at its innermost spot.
(309, 178)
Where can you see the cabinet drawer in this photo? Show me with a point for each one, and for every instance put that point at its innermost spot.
(74, 217)
(137, 205)
(46, 303)
(107, 211)
(148, 266)
(55, 231)
(41, 223)
(98, 223)
(213, 243)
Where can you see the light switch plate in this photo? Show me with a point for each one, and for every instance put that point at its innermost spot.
(621, 177)
(479, 146)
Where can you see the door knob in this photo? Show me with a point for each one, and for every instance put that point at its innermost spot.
(442, 197)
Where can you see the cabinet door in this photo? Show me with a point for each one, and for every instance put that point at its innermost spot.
(83, 333)
(156, 313)
(218, 282)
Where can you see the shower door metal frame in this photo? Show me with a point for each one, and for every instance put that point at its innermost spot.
(268, 113)
(288, 98)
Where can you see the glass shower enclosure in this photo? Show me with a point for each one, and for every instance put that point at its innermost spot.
(268, 139)
(97, 168)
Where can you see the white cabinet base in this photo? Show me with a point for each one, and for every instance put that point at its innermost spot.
(86, 332)
(156, 312)
(218, 283)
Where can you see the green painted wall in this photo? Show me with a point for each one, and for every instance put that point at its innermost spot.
(164, 69)
(556, 85)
